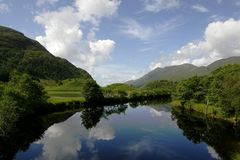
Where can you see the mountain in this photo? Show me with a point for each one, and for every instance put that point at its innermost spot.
(180, 72)
(17, 52)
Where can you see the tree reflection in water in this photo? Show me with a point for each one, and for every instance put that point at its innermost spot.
(91, 116)
(26, 131)
(221, 135)
(31, 129)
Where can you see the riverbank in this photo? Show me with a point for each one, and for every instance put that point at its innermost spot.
(210, 111)
(61, 104)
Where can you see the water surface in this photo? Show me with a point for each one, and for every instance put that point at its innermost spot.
(146, 132)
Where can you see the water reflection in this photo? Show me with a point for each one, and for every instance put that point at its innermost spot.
(121, 132)
(77, 135)
(24, 133)
(91, 116)
(222, 137)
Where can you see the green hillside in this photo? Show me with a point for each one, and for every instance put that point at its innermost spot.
(181, 72)
(17, 52)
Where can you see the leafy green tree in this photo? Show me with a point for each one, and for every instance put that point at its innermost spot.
(92, 92)
(191, 89)
(19, 97)
(230, 96)
(224, 89)
(27, 88)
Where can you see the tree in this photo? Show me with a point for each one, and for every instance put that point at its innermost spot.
(92, 92)
(230, 96)
(224, 89)
(191, 89)
(23, 85)
(19, 97)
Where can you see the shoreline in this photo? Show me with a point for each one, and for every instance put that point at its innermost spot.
(213, 112)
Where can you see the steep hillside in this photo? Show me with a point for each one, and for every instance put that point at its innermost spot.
(180, 72)
(18, 52)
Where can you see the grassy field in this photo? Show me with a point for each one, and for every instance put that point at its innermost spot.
(65, 91)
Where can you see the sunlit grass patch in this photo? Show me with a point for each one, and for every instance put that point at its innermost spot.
(56, 100)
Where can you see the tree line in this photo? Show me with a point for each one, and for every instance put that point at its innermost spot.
(22, 95)
(220, 89)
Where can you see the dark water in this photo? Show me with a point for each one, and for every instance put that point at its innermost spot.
(146, 132)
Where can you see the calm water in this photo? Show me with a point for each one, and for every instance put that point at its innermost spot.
(146, 132)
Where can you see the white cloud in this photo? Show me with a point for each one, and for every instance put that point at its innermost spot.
(200, 8)
(134, 29)
(107, 74)
(219, 1)
(155, 113)
(213, 152)
(136, 149)
(221, 40)
(160, 5)
(103, 131)
(4, 8)
(216, 17)
(92, 10)
(102, 47)
(64, 36)
(42, 2)
(64, 140)
(154, 65)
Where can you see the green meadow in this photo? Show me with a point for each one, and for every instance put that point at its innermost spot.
(64, 91)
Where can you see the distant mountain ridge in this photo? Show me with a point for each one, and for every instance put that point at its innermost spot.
(17, 52)
(180, 72)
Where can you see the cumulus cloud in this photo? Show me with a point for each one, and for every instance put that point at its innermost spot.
(160, 5)
(42, 2)
(102, 48)
(221, 40)
(200, 8)
(64, 35)
(4, 8)
(92, 10)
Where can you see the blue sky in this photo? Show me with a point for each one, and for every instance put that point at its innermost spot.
(119, 40)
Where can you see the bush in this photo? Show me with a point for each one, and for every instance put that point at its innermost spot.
(19, 97)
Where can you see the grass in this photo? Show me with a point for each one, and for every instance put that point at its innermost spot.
(64, 91)
(56, 100)
(65, 85)
(201, 108)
